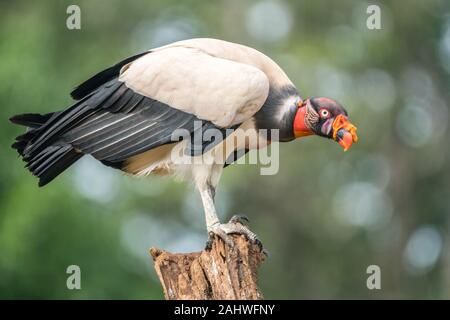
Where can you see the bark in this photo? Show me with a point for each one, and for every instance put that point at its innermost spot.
(221, 273)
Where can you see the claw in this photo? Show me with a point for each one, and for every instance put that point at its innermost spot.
(234, 226)
(261, 247)
(259, 244)
(266, 253)
(209, 242)
(239, 218)
(221, 231)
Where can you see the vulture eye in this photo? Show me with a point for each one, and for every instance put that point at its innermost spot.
(324, 113)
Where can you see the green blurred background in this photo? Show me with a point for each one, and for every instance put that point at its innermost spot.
(325, 217)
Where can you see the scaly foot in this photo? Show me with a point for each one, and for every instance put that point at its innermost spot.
(234, 226)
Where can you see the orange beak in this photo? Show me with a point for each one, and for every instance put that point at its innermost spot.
(344, 132)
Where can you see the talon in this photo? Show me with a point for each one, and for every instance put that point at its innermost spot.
(239, 218)
(209, 242)
(221, 232)
(259, 244)
(235, 226)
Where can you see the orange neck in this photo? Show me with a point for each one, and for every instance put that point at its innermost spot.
(300, 127)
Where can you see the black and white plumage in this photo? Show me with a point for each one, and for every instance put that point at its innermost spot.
(125, 116)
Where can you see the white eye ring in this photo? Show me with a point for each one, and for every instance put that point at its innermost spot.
(324, 113)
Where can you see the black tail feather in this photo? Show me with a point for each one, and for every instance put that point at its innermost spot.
(22, 141)
(53, 159)
(32, 120)
(41, 146)
(56, 163)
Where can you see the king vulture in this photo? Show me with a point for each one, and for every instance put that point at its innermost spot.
(128, 115)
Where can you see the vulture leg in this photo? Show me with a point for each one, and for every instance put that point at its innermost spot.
(213, 225)
(207, 193)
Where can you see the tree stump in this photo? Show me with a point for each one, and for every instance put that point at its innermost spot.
(221, 273)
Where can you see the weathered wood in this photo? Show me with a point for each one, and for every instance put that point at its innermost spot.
(220, 273)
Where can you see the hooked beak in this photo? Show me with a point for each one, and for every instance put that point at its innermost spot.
(344, 132)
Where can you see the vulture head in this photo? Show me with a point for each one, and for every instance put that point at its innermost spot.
(326, 118)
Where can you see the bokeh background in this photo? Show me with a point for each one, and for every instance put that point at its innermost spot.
(325, 217)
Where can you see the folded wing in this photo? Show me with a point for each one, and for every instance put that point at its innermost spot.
(140, 107)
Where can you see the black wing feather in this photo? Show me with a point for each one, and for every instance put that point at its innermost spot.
(32, 120)
(62, 121)
(128, 124)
